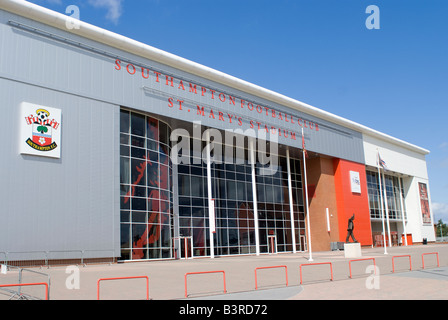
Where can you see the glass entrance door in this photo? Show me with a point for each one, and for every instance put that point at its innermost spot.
(272, 244)
(183, 248)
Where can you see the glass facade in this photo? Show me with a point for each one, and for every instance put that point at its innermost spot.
(392, 185)
(234, 209)
(274, 210)
(146, 198)
(148, 226)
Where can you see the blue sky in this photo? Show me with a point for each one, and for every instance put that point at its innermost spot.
(392, 79)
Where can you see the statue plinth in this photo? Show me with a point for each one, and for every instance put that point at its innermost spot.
(352, 250)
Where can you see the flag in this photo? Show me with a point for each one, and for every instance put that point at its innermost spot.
(382, 162)
(303, 145)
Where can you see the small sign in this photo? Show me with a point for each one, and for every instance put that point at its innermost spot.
(3, 269)
(40, 130)
(424, 203)
(355, 182)
(212, 216)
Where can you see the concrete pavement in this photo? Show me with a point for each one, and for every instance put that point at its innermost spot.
(167, 278)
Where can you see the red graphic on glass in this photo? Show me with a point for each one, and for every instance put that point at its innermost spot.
(157, 201)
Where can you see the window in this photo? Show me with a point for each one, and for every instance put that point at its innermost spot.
(233, 194)
(391, 184)
(145, 184)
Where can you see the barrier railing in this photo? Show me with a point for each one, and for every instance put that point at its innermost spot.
(27, 285)
(423, 258)
(205, 272)
(123, 278)
(20, 272)
(22, 296)
(350, 264)
(286, 273)
(393, 264)
(57, 257)
(313, 264)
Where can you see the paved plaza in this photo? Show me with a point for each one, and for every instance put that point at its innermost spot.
(277, 277)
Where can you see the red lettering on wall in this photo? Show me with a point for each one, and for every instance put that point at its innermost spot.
(157, 75)
(133, 68)
(143, 73)
(181, 85)
(267, 110)
(200, 111)
(293, 135)
(180, 103)
(193, 88)
(169, 80)
(118, 64)
(222, 98)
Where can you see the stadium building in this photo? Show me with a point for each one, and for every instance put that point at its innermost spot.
(115, 149)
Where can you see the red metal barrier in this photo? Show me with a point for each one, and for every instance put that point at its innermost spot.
(124, 278)
(27, 285)
(286, 273)
(313, 264)
(410, 263)
(350, 264)
(423, 260)
(205, 272)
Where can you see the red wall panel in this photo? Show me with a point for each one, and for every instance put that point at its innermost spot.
(349, 203)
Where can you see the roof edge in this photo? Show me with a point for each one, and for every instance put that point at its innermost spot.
(59, 20)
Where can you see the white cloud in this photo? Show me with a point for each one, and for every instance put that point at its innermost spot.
(52, 1)
(114, 8)
(440, 211)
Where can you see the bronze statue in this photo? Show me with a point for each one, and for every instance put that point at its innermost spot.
(350, 228)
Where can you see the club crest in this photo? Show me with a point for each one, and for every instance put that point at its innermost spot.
(40, 130)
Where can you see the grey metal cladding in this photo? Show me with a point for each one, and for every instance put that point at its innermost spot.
(64, 61)
(72, 203)
(66, 204)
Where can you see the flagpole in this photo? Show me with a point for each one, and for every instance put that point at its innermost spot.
(306, 200)
(402, 213)
(381, 200)
(387, 209)
(211, 206)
